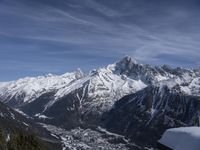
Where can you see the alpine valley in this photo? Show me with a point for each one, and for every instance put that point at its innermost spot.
(123, 106)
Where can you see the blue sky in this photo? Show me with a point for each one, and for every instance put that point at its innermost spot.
(56, 36)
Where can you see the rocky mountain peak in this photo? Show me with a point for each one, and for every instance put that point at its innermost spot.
(125, 65)
(127, 61)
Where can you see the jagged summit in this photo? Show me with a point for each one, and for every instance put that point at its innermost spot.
(126, 63)
(128, 59)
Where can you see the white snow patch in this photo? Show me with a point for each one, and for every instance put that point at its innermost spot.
(54, 136)
(1, 114)
(41, 116)
(22, 113)
(8, 138)
(12, 115)
(25, 124)
(183, 138)
(186, 90)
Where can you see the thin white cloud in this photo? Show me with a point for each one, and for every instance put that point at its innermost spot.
(95, 32)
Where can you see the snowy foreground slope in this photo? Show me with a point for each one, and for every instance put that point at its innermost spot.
(183, 138)
(138, 101)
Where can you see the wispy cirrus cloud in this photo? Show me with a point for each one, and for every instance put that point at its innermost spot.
(67, 34)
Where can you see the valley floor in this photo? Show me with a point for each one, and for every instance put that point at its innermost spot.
(90, 139)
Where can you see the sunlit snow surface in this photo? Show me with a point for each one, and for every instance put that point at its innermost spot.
(184, 138)
(30, 88)
(189, 84)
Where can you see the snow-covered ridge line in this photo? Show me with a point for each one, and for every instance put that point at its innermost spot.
(30, 88)
(187, 84)
(100, 88)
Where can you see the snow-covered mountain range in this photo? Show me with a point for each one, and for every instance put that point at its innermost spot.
(102, 86)
(28, 89)
(127, 90)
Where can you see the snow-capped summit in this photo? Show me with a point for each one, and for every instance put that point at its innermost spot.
(126, 63)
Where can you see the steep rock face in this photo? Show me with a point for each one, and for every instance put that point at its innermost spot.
(147, 73)
(145, 115)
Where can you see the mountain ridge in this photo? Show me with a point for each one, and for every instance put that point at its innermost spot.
(100, 97)
(104, 86)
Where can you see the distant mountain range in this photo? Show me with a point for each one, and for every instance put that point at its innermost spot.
(126, 99)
